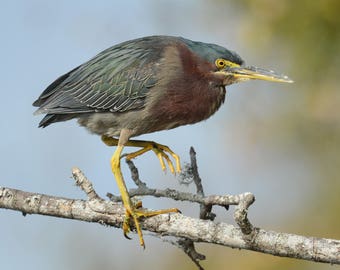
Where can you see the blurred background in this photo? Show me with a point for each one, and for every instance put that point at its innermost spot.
(278, 141)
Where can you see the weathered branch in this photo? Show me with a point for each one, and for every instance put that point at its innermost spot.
(109, 213)
(242, 201)
(188, 175)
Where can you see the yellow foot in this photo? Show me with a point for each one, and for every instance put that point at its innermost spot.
(136, 213)
(160, 151)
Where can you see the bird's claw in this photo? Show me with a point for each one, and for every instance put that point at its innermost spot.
(126, 227)
(162, 152)
(136, 213)
(161, 155)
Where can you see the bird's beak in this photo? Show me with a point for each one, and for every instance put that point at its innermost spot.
(255, 73)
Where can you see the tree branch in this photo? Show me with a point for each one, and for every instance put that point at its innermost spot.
(188, 175)
(95, 209)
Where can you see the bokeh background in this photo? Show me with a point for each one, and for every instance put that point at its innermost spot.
(278, 141)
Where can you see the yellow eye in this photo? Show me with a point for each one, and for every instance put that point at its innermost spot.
(222, 63)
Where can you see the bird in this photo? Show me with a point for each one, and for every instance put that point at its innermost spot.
(142, 86)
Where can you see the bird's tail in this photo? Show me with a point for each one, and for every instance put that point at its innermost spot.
(53, 118)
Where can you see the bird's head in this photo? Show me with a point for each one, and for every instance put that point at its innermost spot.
(229, 66)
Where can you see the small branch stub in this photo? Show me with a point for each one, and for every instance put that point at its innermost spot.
(82, 182)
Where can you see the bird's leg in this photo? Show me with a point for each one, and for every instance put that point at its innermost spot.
(115, 166)
(131, 211)
(159, 149)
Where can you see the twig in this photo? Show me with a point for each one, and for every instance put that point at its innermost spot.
(82, 182)
(188, 248)
(205, 209)
(187, 245)
(143, 190)
(220, 200)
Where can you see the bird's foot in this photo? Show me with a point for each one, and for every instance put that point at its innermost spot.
(133, 211)
(162, 152)
(138, 212)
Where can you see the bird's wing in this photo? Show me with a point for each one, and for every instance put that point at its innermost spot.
(116, 80)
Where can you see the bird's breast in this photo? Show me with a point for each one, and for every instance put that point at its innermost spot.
(183, 104)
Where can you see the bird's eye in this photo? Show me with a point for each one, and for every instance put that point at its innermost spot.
(220, 63)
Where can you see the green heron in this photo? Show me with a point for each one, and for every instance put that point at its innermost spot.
(142, 86)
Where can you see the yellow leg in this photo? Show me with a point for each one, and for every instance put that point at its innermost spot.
(159, 149)
(132, 211)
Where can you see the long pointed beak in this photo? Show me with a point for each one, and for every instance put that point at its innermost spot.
(255, 73)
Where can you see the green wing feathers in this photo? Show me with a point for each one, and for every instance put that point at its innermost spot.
(116, 80)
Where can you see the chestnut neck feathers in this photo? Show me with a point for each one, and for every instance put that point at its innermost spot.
(188, 90)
